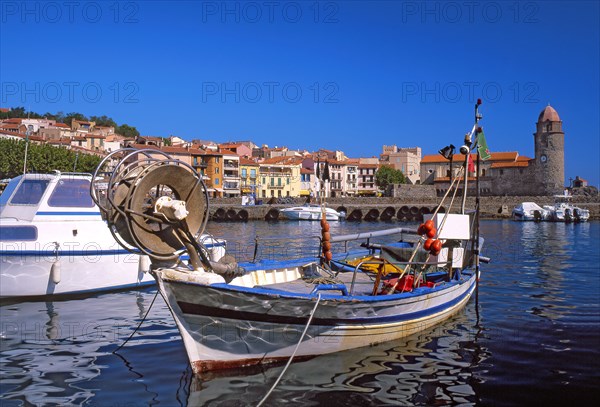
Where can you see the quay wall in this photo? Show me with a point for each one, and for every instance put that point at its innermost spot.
(388, 208)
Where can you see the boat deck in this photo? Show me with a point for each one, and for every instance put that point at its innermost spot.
(363, 284)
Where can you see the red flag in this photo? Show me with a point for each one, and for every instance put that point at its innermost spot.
(471, 167)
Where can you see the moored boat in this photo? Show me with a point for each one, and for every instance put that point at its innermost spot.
(563, 210)
(311, 212)
(235, 315)
(530, 211)
(54, 241)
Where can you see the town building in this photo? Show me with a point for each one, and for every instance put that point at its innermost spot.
(405, 159)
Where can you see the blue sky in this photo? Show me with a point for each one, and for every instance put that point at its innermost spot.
(345, 75)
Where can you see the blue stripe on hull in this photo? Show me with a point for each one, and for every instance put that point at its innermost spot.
(197, 309)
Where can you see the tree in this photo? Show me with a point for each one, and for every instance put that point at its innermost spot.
(127, 131)
(74, 116)
(104, 121)
(387, 176)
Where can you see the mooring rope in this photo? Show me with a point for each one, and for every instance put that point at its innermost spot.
(139, 325)
(289, 362)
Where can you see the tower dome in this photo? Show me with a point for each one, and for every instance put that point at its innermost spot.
(548, 114)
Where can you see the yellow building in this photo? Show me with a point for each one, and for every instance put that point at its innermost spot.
(280, 177)
(249, 179)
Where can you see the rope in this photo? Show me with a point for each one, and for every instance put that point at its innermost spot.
(140, 324)
(312, 313)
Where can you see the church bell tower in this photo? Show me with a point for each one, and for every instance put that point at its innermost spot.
(549, 153)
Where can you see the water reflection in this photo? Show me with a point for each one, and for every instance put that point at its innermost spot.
(432, 367)
(49, 350)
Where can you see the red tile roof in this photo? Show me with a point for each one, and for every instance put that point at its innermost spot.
(510, 165)
(245, 161)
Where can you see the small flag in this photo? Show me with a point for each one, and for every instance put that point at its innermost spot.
(482, 147)
(471, 166)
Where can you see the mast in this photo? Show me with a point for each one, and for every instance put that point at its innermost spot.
(477, 198)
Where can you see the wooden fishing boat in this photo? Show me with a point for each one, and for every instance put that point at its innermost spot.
(234, 315)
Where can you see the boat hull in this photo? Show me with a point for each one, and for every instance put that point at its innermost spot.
(224, 326)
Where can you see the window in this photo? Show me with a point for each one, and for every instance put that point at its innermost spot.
(244, 173)
(17, 233)
(278, 182)
(272, 182)
(73, 193)
(216, 181)
(10, 188)
(264, 181)
(252, 173)
(30, 192)
(287, 181)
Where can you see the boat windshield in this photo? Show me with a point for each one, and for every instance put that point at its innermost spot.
(30, 192)
(8, 191)
(73, 193)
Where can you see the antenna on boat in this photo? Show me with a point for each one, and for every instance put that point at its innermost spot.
(27, 134)
(478, 117)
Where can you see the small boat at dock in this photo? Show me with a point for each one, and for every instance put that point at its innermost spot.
(530, 211)
(563, 210)
(311, 212)
(53, 241)
(233, 315)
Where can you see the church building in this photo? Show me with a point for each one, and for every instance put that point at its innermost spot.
(508, 173)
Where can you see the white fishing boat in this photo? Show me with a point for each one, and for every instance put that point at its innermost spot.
(563, 210)
(530, 211)
(54, 241)
(234, 315)
(311, 212)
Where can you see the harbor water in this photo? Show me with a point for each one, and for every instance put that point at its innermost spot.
(530, 337)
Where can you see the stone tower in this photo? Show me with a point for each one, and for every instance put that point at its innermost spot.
(549, 153)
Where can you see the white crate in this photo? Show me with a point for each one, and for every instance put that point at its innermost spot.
(456, 226)
(458, 254)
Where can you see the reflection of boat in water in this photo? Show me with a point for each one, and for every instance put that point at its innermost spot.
(392, 373)
(530, 211)
(563, 210)
(231, 316)
(54, 241)
(55, 352)
(311, 212)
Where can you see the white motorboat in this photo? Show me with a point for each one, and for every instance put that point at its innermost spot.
(311, 212)
(53, 240)
(563, 210)
(530, 211)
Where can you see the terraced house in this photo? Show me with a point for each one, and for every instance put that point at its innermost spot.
(280, 177)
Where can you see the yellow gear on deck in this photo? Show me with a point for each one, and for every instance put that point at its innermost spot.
(375, 266)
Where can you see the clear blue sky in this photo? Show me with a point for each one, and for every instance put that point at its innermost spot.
(345, 75)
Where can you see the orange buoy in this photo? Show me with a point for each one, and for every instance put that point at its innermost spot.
(436, 246)
(427, 244)
(328, 255)
(431, 233)
(421, 229)
(326, 246)
(325, 227)
(326, 236)
(428, 225)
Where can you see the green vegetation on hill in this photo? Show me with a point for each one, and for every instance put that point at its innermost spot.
(42, 158)
(123, 129)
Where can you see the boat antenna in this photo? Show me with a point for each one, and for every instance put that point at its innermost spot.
(478, 117)
(27, 134)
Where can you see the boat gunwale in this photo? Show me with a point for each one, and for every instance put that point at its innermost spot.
(268, 292)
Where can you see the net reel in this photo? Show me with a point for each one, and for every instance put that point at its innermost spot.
(155, 204)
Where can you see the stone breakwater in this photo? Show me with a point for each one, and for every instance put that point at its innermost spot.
(386, 208)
